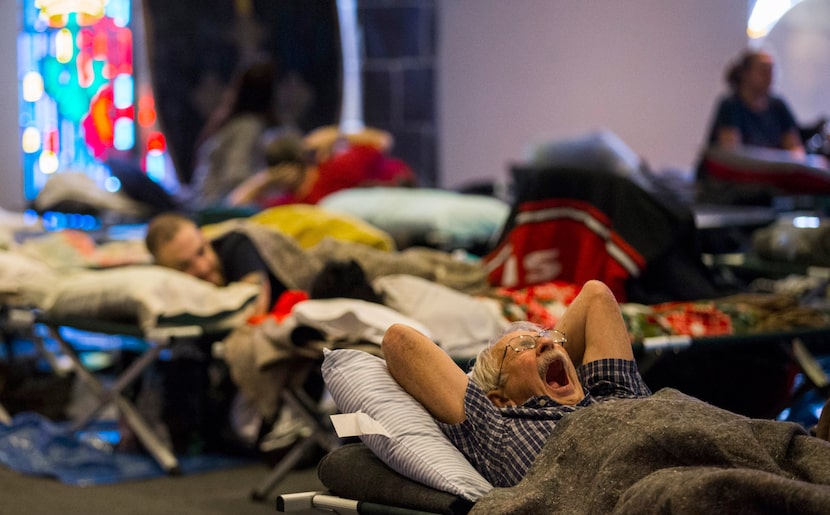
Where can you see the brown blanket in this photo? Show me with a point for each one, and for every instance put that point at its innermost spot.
(670, 453)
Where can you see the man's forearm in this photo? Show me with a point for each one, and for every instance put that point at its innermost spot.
(426, 372)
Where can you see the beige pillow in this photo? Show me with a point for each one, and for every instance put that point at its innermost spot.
(24, 280)
(152, 296)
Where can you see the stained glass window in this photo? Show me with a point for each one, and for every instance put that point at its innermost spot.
(80, 102)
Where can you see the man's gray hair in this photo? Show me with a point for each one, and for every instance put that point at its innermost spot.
(485, 370)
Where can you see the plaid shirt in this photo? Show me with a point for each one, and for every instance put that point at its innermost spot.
(501, 443)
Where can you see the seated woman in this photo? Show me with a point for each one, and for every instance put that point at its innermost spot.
(751, 114)
(751, 120)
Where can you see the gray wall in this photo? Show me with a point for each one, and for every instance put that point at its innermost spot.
(513, 72)
(11, 176)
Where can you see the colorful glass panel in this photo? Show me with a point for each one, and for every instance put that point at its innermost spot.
(77, 93)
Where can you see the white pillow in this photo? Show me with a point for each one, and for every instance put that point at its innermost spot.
(351, 319)
(416, 447)
(461, 323)
(152, 296)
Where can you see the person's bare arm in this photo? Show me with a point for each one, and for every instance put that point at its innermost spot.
(728, 138)
(594, 326)
(263, 300)
(792, 141)
(426, 372)
(284, 177)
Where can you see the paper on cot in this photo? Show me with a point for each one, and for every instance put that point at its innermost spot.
(357, 424)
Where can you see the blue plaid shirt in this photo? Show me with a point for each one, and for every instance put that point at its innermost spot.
(501, 443)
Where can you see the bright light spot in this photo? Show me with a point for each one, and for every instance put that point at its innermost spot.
(122, 91)
(30, 140)
(146, 110)
(54, 221)
(48, 162)
(119, 11)
(806, 222)
(112, 184)
(62, 7)
(88, 223)
(30, 217)
(64, 46)
(765, 15)
(32, 87)
(154, 165)
(124, 134)
(156, 141)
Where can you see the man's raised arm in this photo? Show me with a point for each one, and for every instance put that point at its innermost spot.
(594, 326)
(426, 372)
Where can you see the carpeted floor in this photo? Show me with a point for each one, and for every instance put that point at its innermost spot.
(223, 492)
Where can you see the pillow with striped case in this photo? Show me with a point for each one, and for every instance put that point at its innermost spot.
(416, 447)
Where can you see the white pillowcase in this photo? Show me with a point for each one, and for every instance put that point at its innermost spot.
(351, 319)
(461, 323)
(416, 447)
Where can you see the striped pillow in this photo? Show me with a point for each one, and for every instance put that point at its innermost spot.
(416, 447)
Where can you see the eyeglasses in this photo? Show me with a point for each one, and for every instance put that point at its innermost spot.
(525, 342)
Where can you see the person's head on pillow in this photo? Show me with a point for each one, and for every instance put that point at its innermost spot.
(500, 371)
(176, 242)
(521, 385)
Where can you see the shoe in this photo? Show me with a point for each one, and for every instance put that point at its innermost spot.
(288, 429)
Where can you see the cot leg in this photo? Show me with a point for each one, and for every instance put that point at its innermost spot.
(125, 379)
(283, 468)
(305, 408)
(160, 452)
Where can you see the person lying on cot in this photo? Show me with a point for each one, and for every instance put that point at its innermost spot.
(177, 242)
(520, 387)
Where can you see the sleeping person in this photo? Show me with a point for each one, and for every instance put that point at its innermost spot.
(561, 418)
(176, 242)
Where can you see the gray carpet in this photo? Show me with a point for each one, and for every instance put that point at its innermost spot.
(224, 492)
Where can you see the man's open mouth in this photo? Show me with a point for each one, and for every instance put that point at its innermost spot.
(556, 375)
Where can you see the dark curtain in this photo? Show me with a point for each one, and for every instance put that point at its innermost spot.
(195, 46)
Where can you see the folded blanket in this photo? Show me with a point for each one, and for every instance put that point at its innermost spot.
(670, 453)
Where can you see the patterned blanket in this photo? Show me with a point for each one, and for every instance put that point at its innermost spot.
(743, 314)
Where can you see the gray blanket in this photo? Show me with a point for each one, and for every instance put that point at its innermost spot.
(670, 453)
(296, 267)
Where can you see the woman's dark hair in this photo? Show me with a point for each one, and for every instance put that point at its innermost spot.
(255, 90)
(735, 72)
(252, 90)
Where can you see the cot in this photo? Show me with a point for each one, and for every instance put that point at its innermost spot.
(381, 487)
(159, 339)
(46, 283)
